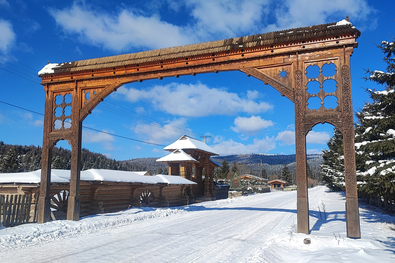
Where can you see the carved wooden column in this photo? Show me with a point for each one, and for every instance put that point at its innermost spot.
(300, 143)
(352, 209)
(207, 178)
(73, 207)
(199, 174)
(44, 201)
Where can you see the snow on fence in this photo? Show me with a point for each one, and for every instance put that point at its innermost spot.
(15, 210)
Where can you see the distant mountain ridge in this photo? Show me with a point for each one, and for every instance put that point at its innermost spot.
(270, 159)
(272, 163)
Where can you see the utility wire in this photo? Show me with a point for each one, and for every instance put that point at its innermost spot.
(88, 128)
(132, 115)
(114, 109)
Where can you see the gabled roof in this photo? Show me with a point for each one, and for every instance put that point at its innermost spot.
(186, 142)
(277, 181)
(177, 155)
(253, 177)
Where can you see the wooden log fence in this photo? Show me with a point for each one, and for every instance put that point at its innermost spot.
(16, 210)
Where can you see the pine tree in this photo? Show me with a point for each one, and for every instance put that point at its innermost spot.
(224, 169)
(235, 169)
(332, 166)
(264, 173)
(309, 172)
(10, 163)
(286, 174)
(375, 142)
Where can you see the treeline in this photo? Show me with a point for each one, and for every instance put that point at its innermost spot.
(271, 168)
(285, 172)
(18, 158)
(374, 141)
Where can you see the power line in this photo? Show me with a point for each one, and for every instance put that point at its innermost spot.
(88, 128)
(115, 108)
(18, 70)
(133, 114)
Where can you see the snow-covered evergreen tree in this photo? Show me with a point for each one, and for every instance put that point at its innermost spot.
(332, 166)
(10, 163)
(375, 143)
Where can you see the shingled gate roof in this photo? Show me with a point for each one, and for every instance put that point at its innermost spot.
(297, 35)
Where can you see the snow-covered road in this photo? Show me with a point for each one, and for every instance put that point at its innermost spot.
(258, 228)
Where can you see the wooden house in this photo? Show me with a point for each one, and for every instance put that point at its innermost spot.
(277, 184)
(190, 158)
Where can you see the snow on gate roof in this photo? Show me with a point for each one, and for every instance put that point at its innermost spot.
(102, 175)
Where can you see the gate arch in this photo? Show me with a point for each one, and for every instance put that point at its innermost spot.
(280, 59)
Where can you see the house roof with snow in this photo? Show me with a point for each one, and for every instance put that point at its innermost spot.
(177, 156)
(186, 142)
(101, 175)
(277, 182)
(252, 177)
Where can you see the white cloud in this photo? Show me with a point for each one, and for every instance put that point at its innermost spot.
(130, 28)
(2, 118)
(122, 31)
(8, 36)
(232, 147)
(298, 13)
(218, 139)
(288, 137)
(38, 123)
(108, 155)
(103, 138)
(252, 94)
(314, 151)
(318, 137)
(4, 3)
(228, 18)
(92, 137)
(250, 126)
(139, 110)
(194, 100)
(156, 133)
(156, 150)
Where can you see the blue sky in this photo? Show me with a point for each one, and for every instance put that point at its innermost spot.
(238, 114)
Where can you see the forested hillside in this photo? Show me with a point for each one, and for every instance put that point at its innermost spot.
(271, 164)
(18, 158)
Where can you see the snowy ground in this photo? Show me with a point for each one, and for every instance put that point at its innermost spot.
(257, 228)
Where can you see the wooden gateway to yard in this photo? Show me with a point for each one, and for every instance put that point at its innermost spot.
(280, 59)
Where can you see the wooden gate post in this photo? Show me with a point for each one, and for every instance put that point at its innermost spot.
(73, 205)
(44, 200)
(300, 143)
(352, 209)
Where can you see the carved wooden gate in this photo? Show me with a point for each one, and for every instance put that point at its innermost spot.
(280, 59)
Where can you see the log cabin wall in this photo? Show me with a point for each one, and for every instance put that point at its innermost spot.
(106, 197)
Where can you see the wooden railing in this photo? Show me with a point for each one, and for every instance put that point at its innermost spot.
(16, 210)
